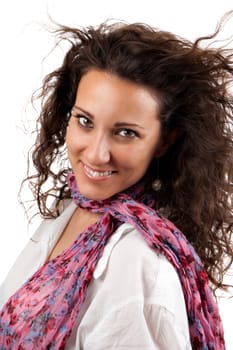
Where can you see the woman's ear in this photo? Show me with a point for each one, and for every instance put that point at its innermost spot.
(167, 141)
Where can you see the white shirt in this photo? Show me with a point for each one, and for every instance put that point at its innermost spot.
(135, 300)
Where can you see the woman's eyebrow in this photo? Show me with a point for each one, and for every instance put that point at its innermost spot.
(118, 125)
(132, 125)
(83, 111)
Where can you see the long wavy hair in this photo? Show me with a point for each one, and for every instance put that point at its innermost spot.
(193, 81)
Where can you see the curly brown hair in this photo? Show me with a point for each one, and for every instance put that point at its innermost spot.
(194, 84)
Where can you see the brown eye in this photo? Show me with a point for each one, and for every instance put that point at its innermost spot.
(83, 121)
(128, 133)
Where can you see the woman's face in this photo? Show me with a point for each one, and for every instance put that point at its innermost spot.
(113, 134)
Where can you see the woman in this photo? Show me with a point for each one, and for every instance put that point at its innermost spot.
(135, 240)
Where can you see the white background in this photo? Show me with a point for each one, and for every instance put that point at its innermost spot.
(24, 45)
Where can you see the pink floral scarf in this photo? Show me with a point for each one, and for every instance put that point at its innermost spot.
(42, 313)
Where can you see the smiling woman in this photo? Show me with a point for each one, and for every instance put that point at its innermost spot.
(133, 247)
(110, 145)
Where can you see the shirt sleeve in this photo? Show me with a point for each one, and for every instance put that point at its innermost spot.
(136, 326)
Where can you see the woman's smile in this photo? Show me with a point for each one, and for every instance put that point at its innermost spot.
(97, 174)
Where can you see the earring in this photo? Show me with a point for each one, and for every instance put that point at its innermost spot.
(157, 183)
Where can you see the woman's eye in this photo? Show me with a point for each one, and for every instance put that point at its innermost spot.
(128, 133)
(84, 122)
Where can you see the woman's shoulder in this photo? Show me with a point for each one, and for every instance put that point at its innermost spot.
(133, 250)
(35, 252)
(128, 258)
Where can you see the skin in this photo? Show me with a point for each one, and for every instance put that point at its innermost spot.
(113, 134)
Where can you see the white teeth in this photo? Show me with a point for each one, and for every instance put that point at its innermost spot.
(96, 173)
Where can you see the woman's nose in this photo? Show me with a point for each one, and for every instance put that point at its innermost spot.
(98, 150)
